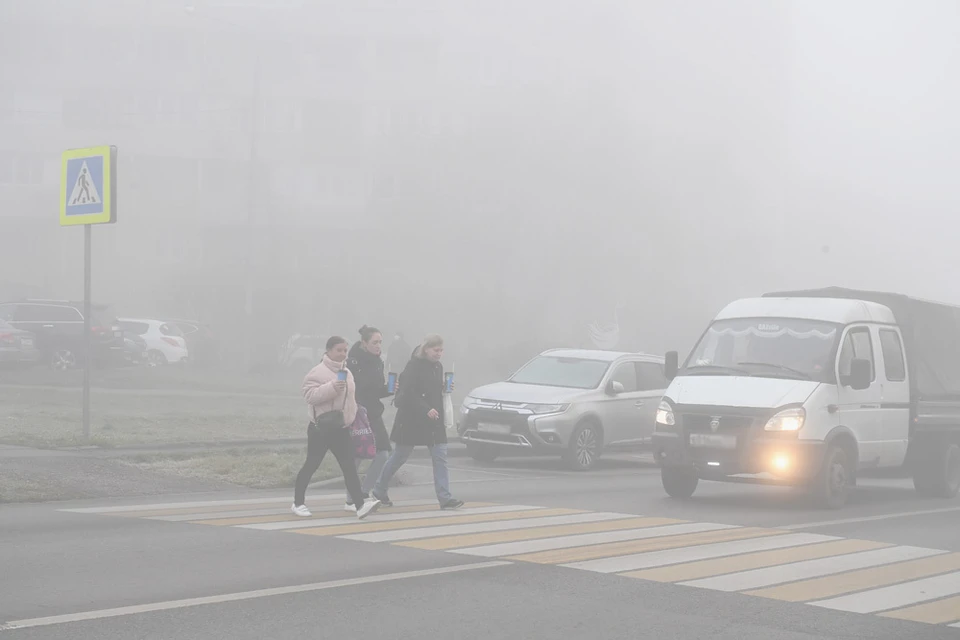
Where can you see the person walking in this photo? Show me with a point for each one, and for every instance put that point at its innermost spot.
(329, 390)
(366, 364)
(419, 422)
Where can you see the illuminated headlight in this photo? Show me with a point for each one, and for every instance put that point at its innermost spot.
(787, 420)
(547, 408)
(665, 415)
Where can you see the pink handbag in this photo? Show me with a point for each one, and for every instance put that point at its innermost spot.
(361, 433)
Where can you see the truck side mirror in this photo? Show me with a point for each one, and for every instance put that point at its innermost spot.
(861, 374)
(671, 365)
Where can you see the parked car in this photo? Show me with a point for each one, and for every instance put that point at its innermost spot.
(202, 342)
(164, 342)
(17, 347)
(301, 353)
(134, 349)
(58, 328)
(575, 403)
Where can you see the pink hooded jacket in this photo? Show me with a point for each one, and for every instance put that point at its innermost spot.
(322, 397)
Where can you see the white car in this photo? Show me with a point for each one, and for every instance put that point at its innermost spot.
(165, 342)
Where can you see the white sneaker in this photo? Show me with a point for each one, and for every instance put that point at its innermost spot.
(352, 508)
(370, 506)
(301, 511)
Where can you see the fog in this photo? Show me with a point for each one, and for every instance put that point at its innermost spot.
(504, 174)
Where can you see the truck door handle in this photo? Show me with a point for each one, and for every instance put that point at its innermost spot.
(638, 403)
(48, 326)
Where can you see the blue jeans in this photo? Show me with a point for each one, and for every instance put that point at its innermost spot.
(441, 477)
(373, 473)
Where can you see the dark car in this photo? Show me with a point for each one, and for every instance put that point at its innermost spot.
(58, 327)
(202, 342)
(17, 347)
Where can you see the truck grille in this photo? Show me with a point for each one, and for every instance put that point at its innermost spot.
(725, 423)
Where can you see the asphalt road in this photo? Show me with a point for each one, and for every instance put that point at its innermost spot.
(538, 552)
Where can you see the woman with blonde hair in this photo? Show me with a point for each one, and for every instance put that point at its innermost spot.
(419, 422)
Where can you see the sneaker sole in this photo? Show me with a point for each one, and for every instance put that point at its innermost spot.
(372, 510)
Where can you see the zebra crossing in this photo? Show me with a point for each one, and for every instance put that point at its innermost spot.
(843, 574)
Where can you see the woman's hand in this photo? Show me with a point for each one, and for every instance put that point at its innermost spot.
(433, 415)
(340, 385)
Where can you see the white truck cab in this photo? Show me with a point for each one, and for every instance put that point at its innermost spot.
(809, 387)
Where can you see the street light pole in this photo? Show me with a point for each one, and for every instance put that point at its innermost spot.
(252, 201)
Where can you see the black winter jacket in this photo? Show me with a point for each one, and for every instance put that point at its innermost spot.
(368, 373)
(421, 389)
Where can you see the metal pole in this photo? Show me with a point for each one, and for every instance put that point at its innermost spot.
(87, 355)
(252, 194)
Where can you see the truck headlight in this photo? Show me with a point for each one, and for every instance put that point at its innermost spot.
(786, 420)
(665, 415)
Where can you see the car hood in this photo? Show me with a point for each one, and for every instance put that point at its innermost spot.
(739, 391)
(526, 393)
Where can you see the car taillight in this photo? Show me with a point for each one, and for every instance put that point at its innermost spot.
(97, 329)
(171, 341)
(6, 337)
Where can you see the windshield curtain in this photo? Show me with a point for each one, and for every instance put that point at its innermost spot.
(805, 346)
(553, 371)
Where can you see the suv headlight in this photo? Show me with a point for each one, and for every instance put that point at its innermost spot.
(786, 420)
(547, 408)
(469, 403)
(665, 415)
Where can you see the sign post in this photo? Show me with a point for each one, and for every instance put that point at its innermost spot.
(88, 196)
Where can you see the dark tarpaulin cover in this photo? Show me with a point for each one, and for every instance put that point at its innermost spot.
(931, 336)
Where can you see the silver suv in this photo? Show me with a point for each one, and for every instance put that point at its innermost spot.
(571, 402)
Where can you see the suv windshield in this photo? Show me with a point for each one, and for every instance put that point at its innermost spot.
(766, 347)
(555, 371)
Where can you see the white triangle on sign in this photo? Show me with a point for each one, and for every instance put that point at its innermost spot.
(84, 190)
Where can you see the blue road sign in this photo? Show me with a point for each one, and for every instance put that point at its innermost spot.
(88, 186)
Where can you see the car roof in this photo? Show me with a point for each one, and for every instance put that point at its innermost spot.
(603, 356)
(143, 320)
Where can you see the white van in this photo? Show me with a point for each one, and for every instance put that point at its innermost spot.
(806, 388)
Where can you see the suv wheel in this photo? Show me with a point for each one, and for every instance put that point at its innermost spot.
(63, 359)
(584, 448)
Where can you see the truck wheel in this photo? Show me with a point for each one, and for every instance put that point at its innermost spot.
(679, 482)
(482, 452)
(937, 475)
(584, 448)
(831, 486)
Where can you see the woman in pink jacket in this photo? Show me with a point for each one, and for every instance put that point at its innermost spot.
(329, 391)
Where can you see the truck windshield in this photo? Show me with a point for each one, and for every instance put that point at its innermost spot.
(766, 347)
(553, 371)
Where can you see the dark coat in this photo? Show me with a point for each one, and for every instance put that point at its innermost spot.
(421, 389)
(371, 390)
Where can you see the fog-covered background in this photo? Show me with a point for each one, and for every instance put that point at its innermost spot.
(502, 173)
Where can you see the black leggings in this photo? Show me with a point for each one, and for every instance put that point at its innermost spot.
(339, 443)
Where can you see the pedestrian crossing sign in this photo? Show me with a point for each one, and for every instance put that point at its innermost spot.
(88, 185)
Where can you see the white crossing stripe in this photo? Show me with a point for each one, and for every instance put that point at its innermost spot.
(587, 539)
(310, 523)
(701, 552)
(757, 578)
(896, 596)
(482, 527)
(267, 511)
(190, 505)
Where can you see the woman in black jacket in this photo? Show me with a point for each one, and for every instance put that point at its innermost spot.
(419, 421)
(366, 364)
